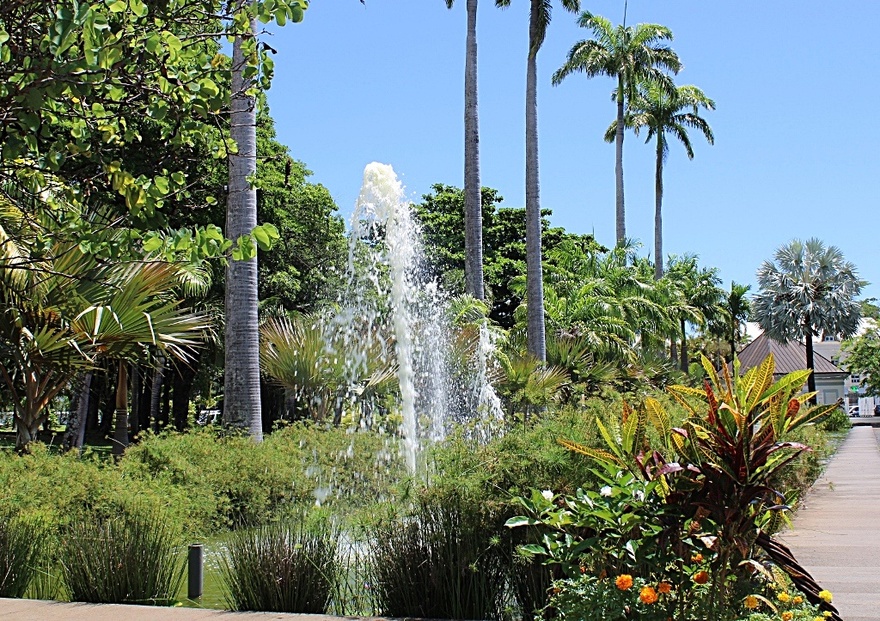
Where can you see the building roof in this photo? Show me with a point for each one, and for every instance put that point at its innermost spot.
(789, 357)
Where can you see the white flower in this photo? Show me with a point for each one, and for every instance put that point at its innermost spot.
(639, 495)
(547, 494)
(606, 490)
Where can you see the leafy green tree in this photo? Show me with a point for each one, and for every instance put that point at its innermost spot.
(63, 310)
(863, 357)
(808, 289)
(663, 114)
(504, 244)
(74, 77)
(631, 55)
(539, 18)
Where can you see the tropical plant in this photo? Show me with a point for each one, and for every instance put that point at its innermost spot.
(286, 567)
(696, 296)
(64, 309)
(441, 562)
(132, 558)
(22, 544)
(295, 353)
(720, 467)
(664, 113)
(808, 289)
(539, 18)
(527, 385)
(631, 55)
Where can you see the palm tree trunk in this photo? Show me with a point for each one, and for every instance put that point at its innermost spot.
(120, 430)
(684, 347)
(156, 391)
(658, 213)
(241, 402)
(618, 167)
(811, 380)
(534, 276)
(473, 216)
(75, 435)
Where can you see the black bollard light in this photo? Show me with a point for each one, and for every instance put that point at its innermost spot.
(195, 571)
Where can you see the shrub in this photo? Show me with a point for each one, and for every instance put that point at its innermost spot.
(442, 561)
(20, 554)
(133, 558)
(284, 567)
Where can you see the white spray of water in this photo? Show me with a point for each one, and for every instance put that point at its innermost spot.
(391, 294)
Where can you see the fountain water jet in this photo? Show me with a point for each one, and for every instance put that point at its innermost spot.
(393, 312)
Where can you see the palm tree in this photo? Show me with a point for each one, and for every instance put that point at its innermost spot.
(632, 55)
(241, 391)
(808, 289)
(473, 216)
(653, 107)
(539, 19)
(700, 295)
(737, 308)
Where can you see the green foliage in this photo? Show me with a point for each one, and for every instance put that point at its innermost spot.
(290, 566)
(863, 358)
(22, 548)
(131, 558)
(444, 561)
(587, 597)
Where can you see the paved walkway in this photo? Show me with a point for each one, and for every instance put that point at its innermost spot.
(35, 610)
(836, 532)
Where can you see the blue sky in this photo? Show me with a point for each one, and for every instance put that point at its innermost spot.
(796, 141)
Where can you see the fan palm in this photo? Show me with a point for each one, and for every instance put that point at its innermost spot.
(631, 55)
(664, 113)
(808, 289)
(539, 18)
(77, 312)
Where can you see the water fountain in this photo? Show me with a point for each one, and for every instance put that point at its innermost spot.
(393, 313)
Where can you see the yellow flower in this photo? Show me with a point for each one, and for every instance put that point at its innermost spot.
(797, 599)
(825, 596)
(818, 618)
(751, 602)
(648, 595)
(624, 582)
(787, 615)
(783, 597)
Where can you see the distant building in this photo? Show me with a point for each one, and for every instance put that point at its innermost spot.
(831, 381)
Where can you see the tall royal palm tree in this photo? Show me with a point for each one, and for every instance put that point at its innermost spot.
(241, 390)
(808, 289)
(663, 114)
(473, 216)
(631, 55)
(539, 19)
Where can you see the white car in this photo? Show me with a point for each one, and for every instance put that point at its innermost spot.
(853, 410)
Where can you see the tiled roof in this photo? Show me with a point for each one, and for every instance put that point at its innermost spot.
(789, 357)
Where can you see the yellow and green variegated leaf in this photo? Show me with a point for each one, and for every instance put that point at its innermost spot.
(658, 417)
(788, 384)
(592, 453)
(761, 380)
(629, 433)
(813, 415)
(712, 373)
(683, 402)
(680, 443)
(608, 439)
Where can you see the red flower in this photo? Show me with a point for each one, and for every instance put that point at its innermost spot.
(701, 577)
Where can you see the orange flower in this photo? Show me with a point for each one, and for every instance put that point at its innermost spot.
(648, 595)
(701, 577)
(624, 582)
(664, 587)
(787, 615)
(797, 599)
(697, 558)
(751, 602)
